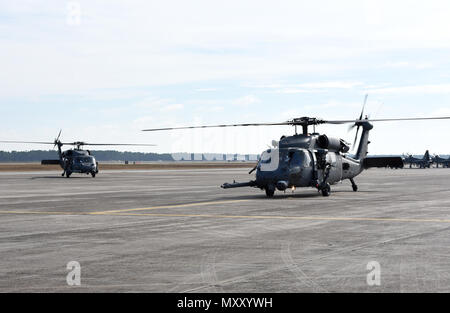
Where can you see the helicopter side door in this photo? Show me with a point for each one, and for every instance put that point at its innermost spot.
(336, 167)
(301, 168)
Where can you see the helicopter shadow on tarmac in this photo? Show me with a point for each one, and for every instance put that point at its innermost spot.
(57, 177)
(299, 195)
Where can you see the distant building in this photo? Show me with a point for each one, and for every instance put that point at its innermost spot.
(213, 157)
(182, 156)
(230, 157)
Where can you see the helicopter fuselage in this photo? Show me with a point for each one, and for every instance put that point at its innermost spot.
(300, 161)
(78, 161)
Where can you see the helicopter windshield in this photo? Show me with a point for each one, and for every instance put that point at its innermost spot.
(89, 160)
(299, 158)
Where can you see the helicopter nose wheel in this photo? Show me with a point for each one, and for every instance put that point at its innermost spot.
(326, 190)
(270, 191)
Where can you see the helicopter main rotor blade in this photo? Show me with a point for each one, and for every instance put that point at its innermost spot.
(410, 119)
(356, 137)
(337, 122)
(364, 106)
(300, 123)
(217, 126)
(113, 144)
(59, 135)
(32, 142)
(57, 142)
(78, 143)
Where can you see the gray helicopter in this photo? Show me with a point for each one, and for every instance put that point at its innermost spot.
(312, 160)
(75, 160)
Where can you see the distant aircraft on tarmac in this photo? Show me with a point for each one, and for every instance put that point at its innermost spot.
(438, 160)
(424, 162)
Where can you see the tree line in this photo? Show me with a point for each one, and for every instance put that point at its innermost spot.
(102, 156)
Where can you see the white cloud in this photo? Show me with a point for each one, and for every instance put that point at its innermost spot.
(140, 43)
(331, 85)
(405, 64)
(210, 109)
(303, 51)
(440, 112)
(246, 100)
(206, 89)
(313, 87)
(414, 89)
(159, 104)
(172, 107)
(333, 104)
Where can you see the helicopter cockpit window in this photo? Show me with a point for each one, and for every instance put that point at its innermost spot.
(84, 160)
(299, 158)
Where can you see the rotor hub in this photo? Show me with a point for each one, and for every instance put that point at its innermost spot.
(305, 122)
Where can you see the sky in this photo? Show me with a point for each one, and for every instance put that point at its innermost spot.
(104, 70)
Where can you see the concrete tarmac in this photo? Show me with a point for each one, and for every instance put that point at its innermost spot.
(177, 231)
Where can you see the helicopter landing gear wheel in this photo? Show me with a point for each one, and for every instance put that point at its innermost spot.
(270, 191)
(326, 190)
(354, 186)
(93, 174)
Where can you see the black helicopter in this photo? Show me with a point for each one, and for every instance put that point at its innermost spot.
(75, 160)
(312, 160)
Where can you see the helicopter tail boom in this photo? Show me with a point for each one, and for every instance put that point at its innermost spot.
(392, 162)
(363, 148)
(50, 162)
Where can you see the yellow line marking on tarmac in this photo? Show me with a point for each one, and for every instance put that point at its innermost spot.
(188, 205)
(42, 213)
(261, 217)
(303, 218)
